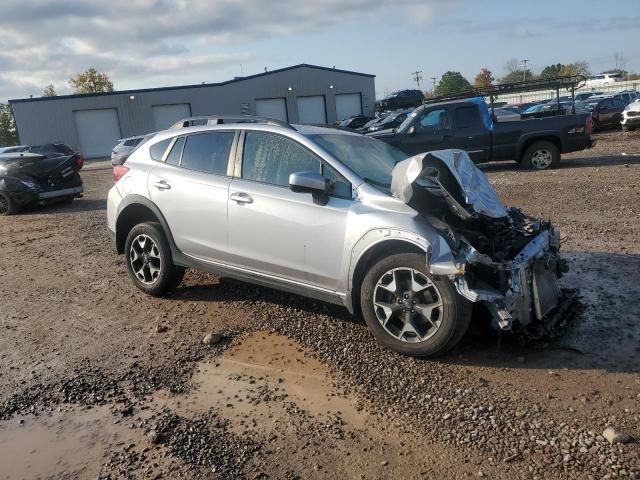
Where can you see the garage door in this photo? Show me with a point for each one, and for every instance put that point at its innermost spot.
(348, 105)
(272, 108)
(312, 110)
(166, 115)
(98, 131)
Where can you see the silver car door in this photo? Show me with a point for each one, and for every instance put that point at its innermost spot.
(278, 232)
(191, 188)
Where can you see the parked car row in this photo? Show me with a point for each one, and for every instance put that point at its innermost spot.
(466, 124)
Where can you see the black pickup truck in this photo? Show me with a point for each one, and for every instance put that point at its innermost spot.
(467, 124)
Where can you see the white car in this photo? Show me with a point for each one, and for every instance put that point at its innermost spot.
(125, 146)
(631, 116)
(603, 80)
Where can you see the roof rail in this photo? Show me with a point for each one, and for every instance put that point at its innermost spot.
(570, 83)
(223, 119)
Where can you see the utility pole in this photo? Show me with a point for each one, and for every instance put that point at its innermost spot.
(417, 76)
(524, 70)
(434, 84)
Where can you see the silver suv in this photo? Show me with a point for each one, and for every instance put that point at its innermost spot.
(409, 244)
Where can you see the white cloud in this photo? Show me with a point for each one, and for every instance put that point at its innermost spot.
(145, 42)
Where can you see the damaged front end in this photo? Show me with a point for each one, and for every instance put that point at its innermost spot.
(502, 258)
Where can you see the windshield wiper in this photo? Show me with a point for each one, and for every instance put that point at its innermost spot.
(376, 182)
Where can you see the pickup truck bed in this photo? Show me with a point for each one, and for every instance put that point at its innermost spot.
(467, 125)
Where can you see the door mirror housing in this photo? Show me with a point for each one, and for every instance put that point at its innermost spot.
(309, 182)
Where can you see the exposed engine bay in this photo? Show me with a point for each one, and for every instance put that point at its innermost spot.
(502, 257)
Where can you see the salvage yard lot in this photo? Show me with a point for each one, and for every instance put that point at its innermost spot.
(122, 385)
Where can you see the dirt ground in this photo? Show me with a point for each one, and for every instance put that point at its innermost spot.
(98, 380)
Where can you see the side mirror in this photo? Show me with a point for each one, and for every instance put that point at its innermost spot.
(309, 182)
(412, 130)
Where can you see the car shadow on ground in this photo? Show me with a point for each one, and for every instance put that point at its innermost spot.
(605, 335)
(78, 205)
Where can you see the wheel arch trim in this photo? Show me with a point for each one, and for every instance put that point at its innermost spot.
(138, 200)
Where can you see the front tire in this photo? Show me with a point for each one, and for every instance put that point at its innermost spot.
(7, 205)
(410, 311)
(541, 155)
(149, 262)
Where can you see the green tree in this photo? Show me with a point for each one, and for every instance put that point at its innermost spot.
(49, 91)
(452, 83)
(518, 76)
(91, 81)
(8, 135)
(551, 71)
(575, 68)
(484, 78)
(515, 72)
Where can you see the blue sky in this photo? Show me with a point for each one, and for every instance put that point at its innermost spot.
(150, 43)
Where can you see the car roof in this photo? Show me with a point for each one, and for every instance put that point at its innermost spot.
(301, 129)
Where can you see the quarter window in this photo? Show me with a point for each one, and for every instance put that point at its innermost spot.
(156, 151)
(467, 117)
(207, 152)
(176, 152)
(270, 158)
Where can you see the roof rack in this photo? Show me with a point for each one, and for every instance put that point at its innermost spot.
(223, 119)
(570, 83)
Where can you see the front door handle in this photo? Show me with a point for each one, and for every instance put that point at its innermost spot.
(241, 198)
(162, 185)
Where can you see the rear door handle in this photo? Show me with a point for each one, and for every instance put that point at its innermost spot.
(162, 185)
(240, 198)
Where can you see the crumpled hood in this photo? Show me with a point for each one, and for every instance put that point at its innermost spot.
(452, 174)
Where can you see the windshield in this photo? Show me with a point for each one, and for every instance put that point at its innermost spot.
(369, 158)
(390, 118)
(407, 122)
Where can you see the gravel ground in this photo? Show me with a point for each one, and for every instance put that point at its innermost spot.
(327, 400)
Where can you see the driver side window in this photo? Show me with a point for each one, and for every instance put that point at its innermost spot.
(270, 158)
(434, 120)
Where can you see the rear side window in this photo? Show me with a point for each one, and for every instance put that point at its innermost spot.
(270, 158)
(131, 143)
(467, 117)
(156, 151)
(207, 152)
(176, 152)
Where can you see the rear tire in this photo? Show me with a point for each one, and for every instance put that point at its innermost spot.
(149, 262)
(435, 323)
(541, 155)
(7, 205)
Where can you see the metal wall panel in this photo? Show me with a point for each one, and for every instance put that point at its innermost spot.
(52, 120)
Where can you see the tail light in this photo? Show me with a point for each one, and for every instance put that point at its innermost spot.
(119, 171)
(79, 162)
(588, 126)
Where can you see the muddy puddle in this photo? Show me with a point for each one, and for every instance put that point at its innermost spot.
(68, 444)
(263, 373)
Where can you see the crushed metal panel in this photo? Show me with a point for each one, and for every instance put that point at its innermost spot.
(479, 196)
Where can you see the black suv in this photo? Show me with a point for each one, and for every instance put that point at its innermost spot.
(400, 99)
